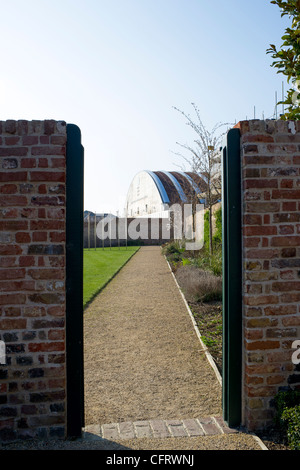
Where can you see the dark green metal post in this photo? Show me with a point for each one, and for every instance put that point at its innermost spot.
(232, 279)
(74, 281)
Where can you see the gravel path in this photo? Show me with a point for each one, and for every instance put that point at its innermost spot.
(143, 359)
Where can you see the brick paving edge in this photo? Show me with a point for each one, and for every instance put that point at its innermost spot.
(159, 428)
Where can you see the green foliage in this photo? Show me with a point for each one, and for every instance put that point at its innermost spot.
(206, 229)
(287, 405)
(203, 259)
(186, 261)
(213, 263)
(287, 57)
(217, 237)
(291, 416)
(173, 247)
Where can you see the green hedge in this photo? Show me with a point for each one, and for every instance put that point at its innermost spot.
(287, 405)
(217, 236)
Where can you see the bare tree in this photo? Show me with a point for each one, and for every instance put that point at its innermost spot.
(204, 158)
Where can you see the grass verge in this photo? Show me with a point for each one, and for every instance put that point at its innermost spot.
(100, 266)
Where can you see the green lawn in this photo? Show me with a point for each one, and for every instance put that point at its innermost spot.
(100, 266)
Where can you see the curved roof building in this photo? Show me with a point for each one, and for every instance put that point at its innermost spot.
(151, 193)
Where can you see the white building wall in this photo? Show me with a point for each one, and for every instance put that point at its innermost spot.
(143, 198)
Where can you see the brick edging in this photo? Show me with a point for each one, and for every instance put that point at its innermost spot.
(159, 428)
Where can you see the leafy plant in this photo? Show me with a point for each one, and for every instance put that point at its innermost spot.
(287, 57)
(287, 417)
(217, 234)
(291, 416)
(213, 263)
(173, 246)
(285, 399)
(217, 237)
(186, 261)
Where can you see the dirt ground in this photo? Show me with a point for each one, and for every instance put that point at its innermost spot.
(143, 359)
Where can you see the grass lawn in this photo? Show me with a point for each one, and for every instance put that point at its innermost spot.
(100, 266)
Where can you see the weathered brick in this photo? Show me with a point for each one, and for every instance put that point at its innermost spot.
(286, 241)
(262, 207)
(46, 298)
(46, 201)
(13, 176)
(261, 300)
(13, 324)
(44, 150)
(260, 230)
(12, 200)
(11, 151)
(258, 322)
(261, 345)
(250, 149)
(286, 194)
(46, 347)
(262, 254)
(46, 249)
(23, 237)
(52, 224)
(285, 286)
(51, 273)
(57, 176)
(12, 273)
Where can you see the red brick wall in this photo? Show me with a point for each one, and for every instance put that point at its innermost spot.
(32, 278)
(270, 155)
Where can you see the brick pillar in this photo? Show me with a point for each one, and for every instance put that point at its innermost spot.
(32, 278)
(270, 156)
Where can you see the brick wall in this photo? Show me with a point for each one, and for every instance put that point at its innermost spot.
(270, 156)
(32, 278)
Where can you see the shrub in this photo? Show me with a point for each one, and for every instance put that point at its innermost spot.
(217, 237)
(172, 247)
(186, 261)
(208, 262)
(287, 405)
(291, 417)
(206, 229)
(285, 399)
(198, 284)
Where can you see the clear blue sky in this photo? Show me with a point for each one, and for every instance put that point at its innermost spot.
(116, 68)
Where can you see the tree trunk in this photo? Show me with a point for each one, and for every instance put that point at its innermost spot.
(210, 231)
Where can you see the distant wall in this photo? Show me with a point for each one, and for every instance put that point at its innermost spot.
(160, 225)
(32, 278)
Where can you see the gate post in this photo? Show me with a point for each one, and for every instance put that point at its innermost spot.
(74, 282)
(232, 279)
